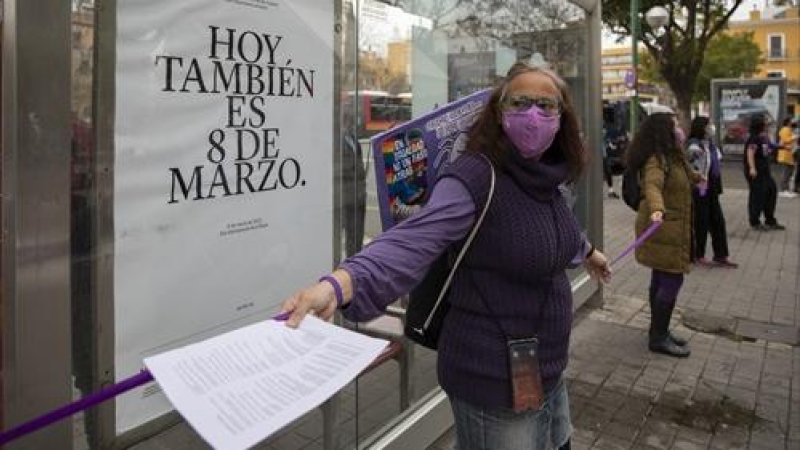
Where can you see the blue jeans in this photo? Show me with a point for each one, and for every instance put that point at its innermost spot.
(503, 429)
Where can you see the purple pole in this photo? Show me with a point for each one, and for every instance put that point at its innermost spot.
(638, 242)
(96, 398)
(87, 402)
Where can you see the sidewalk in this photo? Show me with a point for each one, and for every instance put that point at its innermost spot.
(740, 388)
(737, 390)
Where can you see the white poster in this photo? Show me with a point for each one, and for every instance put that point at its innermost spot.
(222, 178)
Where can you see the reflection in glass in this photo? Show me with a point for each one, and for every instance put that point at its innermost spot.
(397, 60)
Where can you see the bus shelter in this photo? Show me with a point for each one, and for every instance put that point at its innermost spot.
(172, 170)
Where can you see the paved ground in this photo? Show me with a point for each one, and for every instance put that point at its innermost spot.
(740, 389)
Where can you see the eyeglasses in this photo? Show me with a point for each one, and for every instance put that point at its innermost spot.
(520, 103)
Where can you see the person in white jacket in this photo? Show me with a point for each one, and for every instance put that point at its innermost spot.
(705, 157)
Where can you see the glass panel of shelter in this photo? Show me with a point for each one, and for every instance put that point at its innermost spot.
(396, 61)
(429, 53)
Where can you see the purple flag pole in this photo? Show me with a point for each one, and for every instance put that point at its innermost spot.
(85, 403)
(638, 242)
(96, 398)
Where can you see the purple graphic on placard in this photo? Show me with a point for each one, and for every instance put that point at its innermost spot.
(408, 158)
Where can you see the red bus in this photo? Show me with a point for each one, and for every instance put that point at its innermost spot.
(378, 110)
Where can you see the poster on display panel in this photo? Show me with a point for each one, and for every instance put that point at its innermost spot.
(735, 101)
(222, 172)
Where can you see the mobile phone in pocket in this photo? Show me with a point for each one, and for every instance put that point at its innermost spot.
(526, 380)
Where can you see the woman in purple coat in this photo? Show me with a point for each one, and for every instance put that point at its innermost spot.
(512, 285)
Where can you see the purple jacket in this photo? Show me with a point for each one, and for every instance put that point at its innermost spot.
(517, 264)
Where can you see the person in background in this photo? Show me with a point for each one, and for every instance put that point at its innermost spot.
(354, 187)
(708, 217)
(666, 181)
(512, 283)
(786, 142)
(763, 190)
(615, 145)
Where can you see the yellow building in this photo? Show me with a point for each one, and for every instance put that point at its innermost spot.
(777, 33)
(617, 71)
(400, 58)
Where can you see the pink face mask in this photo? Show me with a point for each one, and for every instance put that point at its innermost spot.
(531, 131)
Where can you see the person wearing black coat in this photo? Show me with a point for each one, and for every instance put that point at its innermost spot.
(354, 188)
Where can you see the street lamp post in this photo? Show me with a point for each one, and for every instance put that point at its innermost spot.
(634, 103)
(656, 17)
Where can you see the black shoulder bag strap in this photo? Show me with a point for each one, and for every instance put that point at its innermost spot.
(457, 262)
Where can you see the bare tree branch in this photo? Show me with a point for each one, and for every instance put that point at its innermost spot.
(724, 21)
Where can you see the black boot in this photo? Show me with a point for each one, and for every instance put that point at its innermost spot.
(660, 341)
(676, 339)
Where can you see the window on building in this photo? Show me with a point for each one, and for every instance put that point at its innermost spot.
(615, 60)
(776, 47)
(776, 74)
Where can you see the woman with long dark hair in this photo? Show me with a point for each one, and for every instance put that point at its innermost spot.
(666, 181)
(708, 217)
(511, 288)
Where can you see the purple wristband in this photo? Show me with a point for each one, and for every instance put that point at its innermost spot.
(337, 289)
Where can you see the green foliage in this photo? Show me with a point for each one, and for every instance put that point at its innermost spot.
(678, 50)
(727, 56)
(648, 69)
(617, 13)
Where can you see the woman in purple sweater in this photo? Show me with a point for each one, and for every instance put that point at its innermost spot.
(511, 289)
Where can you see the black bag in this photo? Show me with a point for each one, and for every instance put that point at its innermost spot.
(616, 166)
(421, 305)
(615, 155)
(631, 191)
(427, 304)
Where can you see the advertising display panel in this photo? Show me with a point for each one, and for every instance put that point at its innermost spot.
(735, 101)
(222, 171)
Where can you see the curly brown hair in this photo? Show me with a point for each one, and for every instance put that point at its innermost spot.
(488, 137)
(656, 135)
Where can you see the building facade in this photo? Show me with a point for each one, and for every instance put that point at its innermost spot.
(617, 73)
(777, 33)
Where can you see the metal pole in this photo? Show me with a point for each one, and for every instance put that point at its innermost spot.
(594, 205)
(35, 251)
(634, 108)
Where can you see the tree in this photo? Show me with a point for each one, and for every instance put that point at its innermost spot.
(489, 23)
(727, 56)
(679, 49)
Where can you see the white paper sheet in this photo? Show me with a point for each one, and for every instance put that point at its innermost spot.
(238, 388)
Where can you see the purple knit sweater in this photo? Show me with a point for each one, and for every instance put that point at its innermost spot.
(512, 282)
(517, 263)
